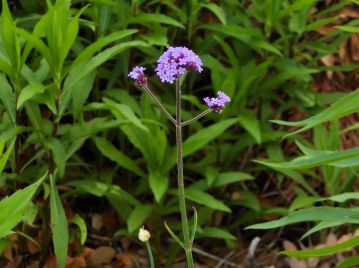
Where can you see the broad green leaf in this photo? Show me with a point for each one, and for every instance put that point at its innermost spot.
(39, 45)
(351, 243)
(80, 222)
(138, 216)
(125, 112)
(250, 123)
(58, 154)
(59, 226)
(205, 135)
(214, 232)
(13, 207)
(9, 38)
(82, 69)
(250, 37)
(158, 184)
(146, 19)
(205, 199)
(70, 37)
(28, 92)
(5, 156)
(7, 96)
(320, 226)
(90, 50)
(312, 214)
(109, 150)
(216, 10)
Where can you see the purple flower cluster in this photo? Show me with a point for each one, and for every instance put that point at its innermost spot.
(217, 104)
(138, 75)
(175, 61)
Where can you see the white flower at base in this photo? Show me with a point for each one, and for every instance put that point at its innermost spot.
(143, 234)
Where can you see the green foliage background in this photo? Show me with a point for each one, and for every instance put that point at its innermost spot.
(68, 109)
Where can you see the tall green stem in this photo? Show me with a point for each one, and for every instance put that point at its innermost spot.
(181, 191)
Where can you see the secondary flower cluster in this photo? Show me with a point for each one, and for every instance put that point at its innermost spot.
(217, 104)
(138, 75)
(173, 63)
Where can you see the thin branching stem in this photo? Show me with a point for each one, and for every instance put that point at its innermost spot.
(162, 108)
(194, 119)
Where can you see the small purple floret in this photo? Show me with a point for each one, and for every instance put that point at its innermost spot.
(138, 75)
(217, 104)
(175, 61)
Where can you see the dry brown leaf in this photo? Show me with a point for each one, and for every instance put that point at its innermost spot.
(32, 247)
(8, 253)
(331, 240)
(287, 245)
(356, 233)
(124, 259)
(50, 262)
(96, 221)
(77, 262)
(349, 13)
(35, 264)
(354, 47)
(328, 60)
(313, 262)
(103, 255)
(14, 263)
(87, 253)
(343, 54)
(325, 30)
(295, 263)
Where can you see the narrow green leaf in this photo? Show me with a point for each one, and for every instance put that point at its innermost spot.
(349, 262)
(194, 227)
(82, 69)
(7, 96)
(324, 213)
(345, 158)
(353, 242)
(205, 135)
(60, 232)
(58, 154)
(346, 105)
(350, 29)
(214, 232)
(146, 19)
(175, 237)
(125, 112)
(216, 10)
(231, 177)
(4, 157)
(250, 123)
(138, 216)
(90, 50)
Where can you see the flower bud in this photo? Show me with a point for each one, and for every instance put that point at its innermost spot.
(143, 234)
